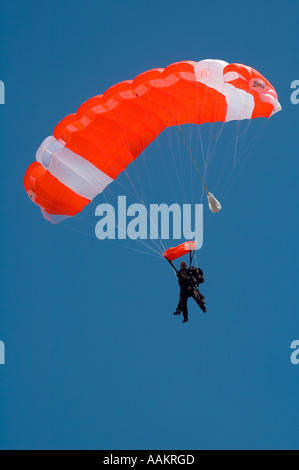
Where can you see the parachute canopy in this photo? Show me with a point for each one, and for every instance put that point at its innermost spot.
(180, 250)
(89, 149)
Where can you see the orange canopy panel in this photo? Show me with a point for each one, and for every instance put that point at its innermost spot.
(180, 250)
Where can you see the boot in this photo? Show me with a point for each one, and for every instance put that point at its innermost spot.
(203, 307)
(177, 312)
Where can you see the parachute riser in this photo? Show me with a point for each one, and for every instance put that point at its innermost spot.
(171, 264)
(191, 254)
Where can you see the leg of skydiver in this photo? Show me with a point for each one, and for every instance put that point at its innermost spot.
(199, 299)
(184, 307)
(179, 307)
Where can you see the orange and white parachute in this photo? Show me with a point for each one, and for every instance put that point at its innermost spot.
(89, 149)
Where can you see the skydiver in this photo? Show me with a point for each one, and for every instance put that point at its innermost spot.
(188, 279)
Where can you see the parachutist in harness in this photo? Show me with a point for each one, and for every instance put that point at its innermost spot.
(189, 279)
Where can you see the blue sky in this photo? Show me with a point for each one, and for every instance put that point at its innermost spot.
(94, 357)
